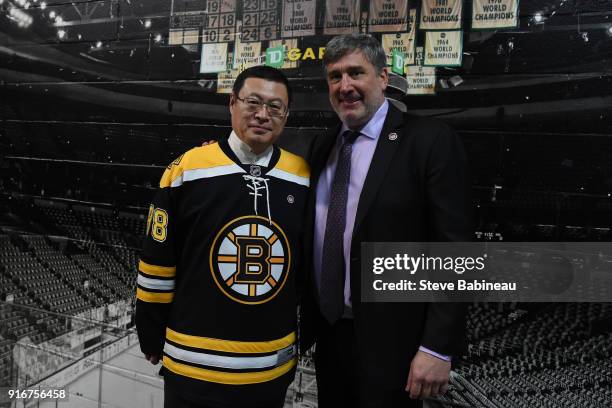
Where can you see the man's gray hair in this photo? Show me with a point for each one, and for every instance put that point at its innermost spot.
(342, 45)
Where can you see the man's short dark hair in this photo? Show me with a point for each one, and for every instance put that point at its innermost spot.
(263, 72)
(342, 45)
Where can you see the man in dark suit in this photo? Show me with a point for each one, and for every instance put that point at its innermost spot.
(380, 176)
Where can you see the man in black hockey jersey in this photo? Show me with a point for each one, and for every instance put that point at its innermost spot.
(216, 282)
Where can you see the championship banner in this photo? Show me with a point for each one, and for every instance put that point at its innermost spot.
(443, 48)
(214, 58)
(220, 21)
(402, 42)
(225, 81)
(299, 18)
(186, 19)
(246, 54)
(441, 14)
(260, 20)
(388, 16)
(421, 80)
(341, 17)
(490, 14)
(287, 45)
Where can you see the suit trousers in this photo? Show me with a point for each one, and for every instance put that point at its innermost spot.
(341, 380)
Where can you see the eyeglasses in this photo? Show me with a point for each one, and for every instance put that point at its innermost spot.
(274, 108)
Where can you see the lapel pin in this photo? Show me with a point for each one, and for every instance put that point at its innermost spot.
(392, 136)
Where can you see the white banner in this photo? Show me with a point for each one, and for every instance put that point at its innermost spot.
(387, 16)
(441, 14)
(421, 80)
(490, 14)
(214, 58)
(299, 18)
(402, 42)
(341, 17)
(288, 45)
(443, 48)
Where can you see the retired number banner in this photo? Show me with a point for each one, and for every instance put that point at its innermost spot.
(186, 18)
(298, 18)
(443, 48)
(341, 17)
(491, 14)
(402, 42)
(441, 14)
(421, 80)
(387, 16)
(220, 21)
(259, 20)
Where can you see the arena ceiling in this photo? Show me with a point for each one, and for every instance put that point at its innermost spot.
(114, 55)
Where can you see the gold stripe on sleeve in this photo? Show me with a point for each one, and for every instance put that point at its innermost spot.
(163, 271)
(154, 297)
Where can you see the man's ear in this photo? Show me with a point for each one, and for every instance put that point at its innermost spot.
(232, 102)
(384, 75)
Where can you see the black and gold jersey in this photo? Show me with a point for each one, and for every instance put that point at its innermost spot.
(216, 289)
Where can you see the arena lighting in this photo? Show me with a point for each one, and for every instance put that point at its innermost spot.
(22, 19)
(99, 44)
(52, 14)
(59, 20)
(609, 31)
(455, 80)
(538, 18)
(43, 5)
(61, 34)
(158, 38)
(147, 23)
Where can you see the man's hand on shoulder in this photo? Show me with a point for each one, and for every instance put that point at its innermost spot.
(154, 359)
(428, 376)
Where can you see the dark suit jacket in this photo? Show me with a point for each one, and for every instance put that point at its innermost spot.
(416, 190)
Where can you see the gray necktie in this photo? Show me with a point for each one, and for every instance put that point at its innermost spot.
(332, 271)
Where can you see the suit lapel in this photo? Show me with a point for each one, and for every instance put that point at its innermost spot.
(320, 153)
(385, 150)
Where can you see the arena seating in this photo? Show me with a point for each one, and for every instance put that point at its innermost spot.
(555, 355)
(87, 262)
(519, 355)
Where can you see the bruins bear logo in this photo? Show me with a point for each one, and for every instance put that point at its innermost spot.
(249, 259)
